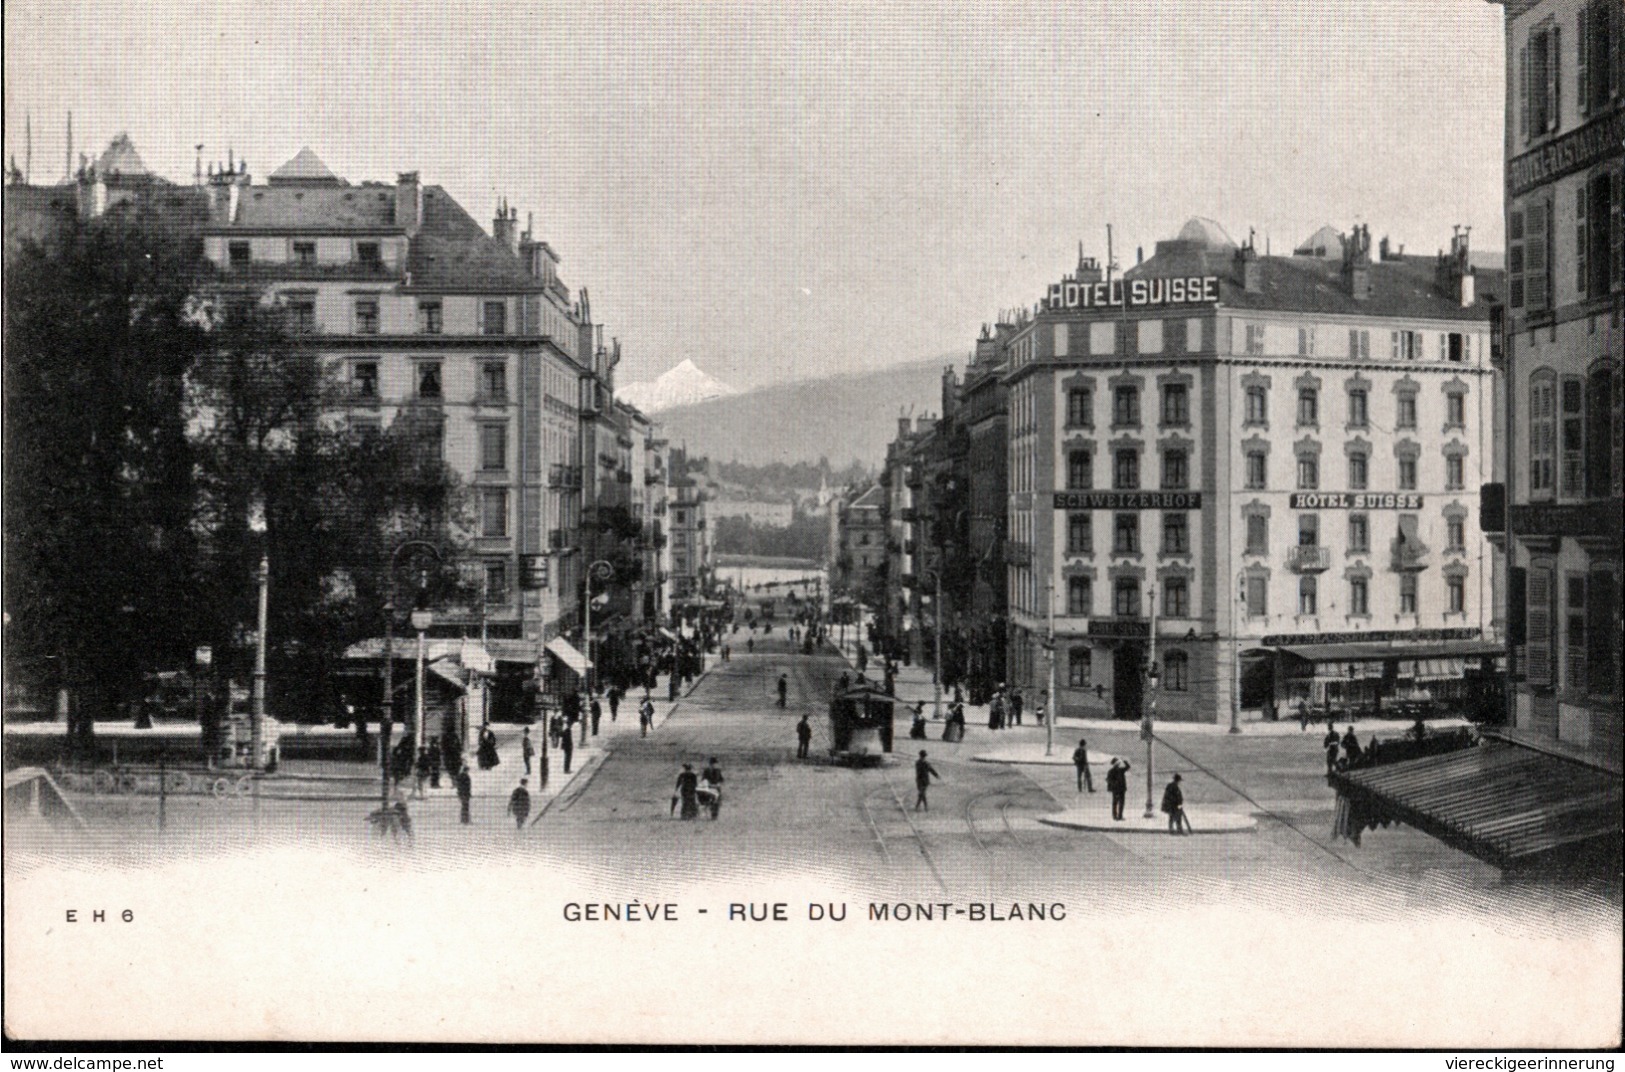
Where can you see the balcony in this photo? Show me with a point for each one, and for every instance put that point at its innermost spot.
(564, 476)
(1308, 558)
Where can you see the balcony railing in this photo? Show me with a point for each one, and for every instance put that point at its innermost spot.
(564, 476)
(1308, 558)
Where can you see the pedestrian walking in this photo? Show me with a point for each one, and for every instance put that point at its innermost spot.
(803, 737)
(688, 785)
(784, 689)
(1117, 786)
(526, 749)
(750, 642)
(1303, 717)
(519, 804)
(1080, 760)
(712, 777)
(995, 712)
(488, 749)
(422, 770)
(465, 793)
(1332, 753)
(646, 715)
(615, 693)
(1351, 748)
(1015, 707)
(433, 748)
(596, 710)
(567, 747)
(923, 773)
(1173, 806)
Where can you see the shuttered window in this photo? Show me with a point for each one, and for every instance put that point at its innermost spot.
(1538, 660)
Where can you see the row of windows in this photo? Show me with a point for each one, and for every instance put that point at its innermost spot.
(1359, 532)
(300, 315)
(1598, 244)
(1126, 469)
(1175, 673)
(1256, 475)
(1597, 74)
(1403, 345)
(1256, 408)
(1572, 434)
(1358, 595)
(427, 379)
(1080, 535)
(365, 253)
(1176, 407)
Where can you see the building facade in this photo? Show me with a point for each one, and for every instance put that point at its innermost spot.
(427, 319)
(1224, 462)
(1565, 184)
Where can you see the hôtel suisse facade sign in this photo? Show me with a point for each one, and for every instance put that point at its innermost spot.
(1355, 500)
(1185, 290)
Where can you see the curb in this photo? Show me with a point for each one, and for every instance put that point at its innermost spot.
(1232, 824)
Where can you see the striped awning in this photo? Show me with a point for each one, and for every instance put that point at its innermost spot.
(1503, 803)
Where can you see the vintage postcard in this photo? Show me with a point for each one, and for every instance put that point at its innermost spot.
(1011, 524)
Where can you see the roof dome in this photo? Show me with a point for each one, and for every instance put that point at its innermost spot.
(306, 166)
(1205, 232)
(121, 159)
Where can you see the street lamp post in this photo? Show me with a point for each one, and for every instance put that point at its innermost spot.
(599, 570)
(256, 724)
(1054, 706)
(1235, 642)
(386, 716)
(1149, 704)
(936, 622)
(422, 619)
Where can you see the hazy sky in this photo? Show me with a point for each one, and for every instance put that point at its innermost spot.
(780, 190)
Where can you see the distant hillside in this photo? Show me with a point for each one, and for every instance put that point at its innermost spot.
(843, 418)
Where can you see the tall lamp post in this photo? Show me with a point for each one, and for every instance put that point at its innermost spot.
(1235, 641)
(256, 724)
(936, 623)
(422, 619)
(1054, 705)
(386, 716)
(1149, 704)
(601, 571)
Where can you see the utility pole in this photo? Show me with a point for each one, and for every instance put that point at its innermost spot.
(1149, 703)
(1054, 707)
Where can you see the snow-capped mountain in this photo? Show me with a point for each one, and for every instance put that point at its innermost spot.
(681, 386)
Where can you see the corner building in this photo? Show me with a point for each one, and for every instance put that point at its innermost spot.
(1565, 186)
(1274, 461)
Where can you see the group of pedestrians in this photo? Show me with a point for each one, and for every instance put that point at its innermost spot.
(1344, 752)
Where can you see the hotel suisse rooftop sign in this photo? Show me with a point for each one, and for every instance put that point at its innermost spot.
(1134, 293)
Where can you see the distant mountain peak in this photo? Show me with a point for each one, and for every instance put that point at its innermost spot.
(683, 385)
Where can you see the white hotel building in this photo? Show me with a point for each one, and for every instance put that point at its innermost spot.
(1275, 460)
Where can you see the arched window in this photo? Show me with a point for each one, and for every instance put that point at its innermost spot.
(1542, 432)
(1176, 672)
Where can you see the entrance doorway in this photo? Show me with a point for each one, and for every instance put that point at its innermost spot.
(1128, 686)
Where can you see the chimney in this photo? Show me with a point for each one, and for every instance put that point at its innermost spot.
(1456, 269)
(1252, 274)
(903, 426)
(1357, 263)
(408, 202)
(504, 226)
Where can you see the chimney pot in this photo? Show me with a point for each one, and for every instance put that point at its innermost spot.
(408, 202)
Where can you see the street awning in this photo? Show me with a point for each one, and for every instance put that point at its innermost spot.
(448, 670)
(1352, 653)
(567, 653)
(406, 647)
(1503, 803)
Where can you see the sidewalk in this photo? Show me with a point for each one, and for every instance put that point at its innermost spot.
(499, 781)
(914, 686)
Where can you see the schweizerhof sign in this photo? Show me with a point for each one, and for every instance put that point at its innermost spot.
(1184, 290)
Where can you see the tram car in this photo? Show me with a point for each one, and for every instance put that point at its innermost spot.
(860, 722)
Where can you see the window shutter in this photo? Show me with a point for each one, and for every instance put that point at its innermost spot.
(1554, 84)
(1523, 92)
(1538, 668)
(1515, 258)
(1582, 194)
(1616, 228)
(1614, 27)
(1582, 65)
(1534, 255)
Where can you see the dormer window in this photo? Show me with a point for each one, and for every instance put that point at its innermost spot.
(369, 255)
(304, 254)
(241, 254)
